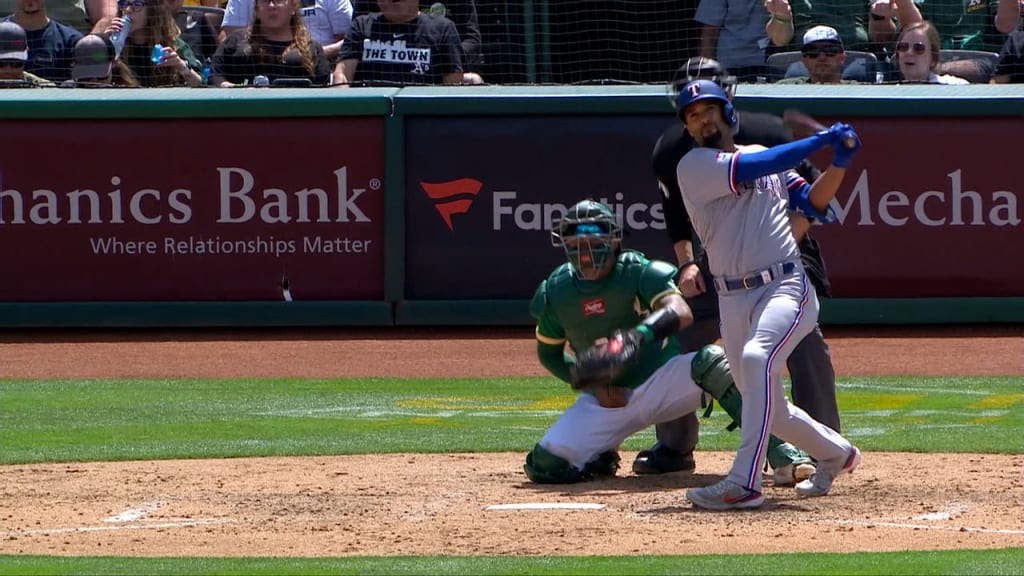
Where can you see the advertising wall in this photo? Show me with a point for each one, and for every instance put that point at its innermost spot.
(185, 210)
(927, 209)
(481, 194)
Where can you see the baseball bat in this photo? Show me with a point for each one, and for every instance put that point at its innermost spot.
(794, 117)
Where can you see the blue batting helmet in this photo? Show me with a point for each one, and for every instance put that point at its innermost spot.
(705, 90)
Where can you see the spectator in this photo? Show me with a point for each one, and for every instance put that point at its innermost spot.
(50, 43)
(461, 12)
(918, 53)
(94, 65)
(328, 21)
(276, 45)
(788, 19)
(152, 24)
(971, 24)
(399, 45)
(1010, 68)
(733, 32)
(14, 56)
(975, 25)
(823, 57)
(195, 30)
(83, 15)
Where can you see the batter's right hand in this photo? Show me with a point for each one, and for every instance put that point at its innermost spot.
(691, 281)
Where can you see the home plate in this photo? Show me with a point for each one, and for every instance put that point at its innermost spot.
(547, 506)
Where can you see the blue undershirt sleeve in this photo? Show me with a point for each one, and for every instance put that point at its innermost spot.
(752, 165)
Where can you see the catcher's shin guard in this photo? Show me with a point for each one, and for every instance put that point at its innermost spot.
(710, 371)
(543, 467)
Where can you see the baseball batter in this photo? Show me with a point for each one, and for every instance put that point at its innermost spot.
(621, 310)
(738, 199)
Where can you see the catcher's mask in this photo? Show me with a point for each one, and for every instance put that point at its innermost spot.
(591, 236)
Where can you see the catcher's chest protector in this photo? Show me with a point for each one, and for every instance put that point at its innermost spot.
(592, 310)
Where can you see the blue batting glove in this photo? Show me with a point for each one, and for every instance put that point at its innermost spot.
(842, 151)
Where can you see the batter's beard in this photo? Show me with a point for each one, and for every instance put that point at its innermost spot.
(713, 141)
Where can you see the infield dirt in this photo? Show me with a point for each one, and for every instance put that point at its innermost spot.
(416, 504)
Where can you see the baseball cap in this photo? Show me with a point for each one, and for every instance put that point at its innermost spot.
(822, 34)
(13, 43)
(93, 57)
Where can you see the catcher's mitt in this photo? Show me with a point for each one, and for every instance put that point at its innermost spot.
(598, 367)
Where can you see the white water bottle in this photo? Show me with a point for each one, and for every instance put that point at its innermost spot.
(118, 37)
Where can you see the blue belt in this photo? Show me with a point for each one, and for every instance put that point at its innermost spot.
(755, 280)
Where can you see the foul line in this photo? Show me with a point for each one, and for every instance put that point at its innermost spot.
(925, 526)
(118, 527)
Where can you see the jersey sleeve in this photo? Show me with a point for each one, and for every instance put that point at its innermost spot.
(657, 280)
(339, 14)
(238, 13)
(705, 174)
(549, 330)
(799, 198)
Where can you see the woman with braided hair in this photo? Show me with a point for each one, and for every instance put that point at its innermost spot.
(276, 45)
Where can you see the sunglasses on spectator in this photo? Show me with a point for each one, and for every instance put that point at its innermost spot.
(827, 50)
(273, 2)
(919, 47)
(133, 3)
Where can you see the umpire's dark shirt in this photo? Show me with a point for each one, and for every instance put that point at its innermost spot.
(753, 128)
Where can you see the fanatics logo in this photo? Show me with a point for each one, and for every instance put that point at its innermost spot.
(445, 196)
(593, 307)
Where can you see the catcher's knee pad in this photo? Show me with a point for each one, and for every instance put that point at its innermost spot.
(543, 467)
(710, 371)
(783, 453)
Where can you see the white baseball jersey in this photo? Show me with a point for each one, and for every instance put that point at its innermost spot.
(324, 18)
(744, 226)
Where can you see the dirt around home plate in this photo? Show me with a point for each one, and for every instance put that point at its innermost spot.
(419, 504)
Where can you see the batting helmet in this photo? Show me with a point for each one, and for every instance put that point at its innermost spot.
(698, 90)
(590, 233)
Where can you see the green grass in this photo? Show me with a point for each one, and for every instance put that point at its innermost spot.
(83, 420)
(1008, 561)
(101, 420)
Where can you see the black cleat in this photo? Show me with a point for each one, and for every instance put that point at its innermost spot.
(662, 460)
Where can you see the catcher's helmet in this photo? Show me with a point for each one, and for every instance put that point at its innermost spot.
(698, 90)
(590, 233)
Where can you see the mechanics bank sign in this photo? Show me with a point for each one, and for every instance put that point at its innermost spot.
(169, 217)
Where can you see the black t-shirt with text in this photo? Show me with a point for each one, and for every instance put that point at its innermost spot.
(420, 51)
(236, 62)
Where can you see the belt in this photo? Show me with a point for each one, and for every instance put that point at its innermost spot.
(756, 279)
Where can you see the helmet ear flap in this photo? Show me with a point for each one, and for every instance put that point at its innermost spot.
(729, 113)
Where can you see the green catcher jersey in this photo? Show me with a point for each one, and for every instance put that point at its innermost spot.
(581, 312)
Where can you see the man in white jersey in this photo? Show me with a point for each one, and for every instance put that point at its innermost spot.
(739, 199)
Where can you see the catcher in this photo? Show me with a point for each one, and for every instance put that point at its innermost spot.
(621, 311)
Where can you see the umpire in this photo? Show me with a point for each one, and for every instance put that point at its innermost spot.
(810, 366)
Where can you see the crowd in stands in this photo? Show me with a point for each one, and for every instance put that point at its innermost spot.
(242, 43)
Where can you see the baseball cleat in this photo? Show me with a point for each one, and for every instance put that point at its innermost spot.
(662, 460)
(821, 481)
(725, 495)
(790, 474)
